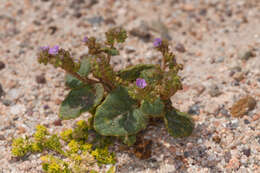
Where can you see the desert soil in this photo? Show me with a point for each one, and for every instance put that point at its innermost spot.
(217, 41)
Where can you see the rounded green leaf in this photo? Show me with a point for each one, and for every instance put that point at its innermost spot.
(118, 115)
(154, 109)
(81, 100)
(85, 66)
(133, 72)
(72, 82)
(179, 124)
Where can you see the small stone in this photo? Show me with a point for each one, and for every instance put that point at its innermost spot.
(214, 91)
(14, 94)
(227, 156)
(2, 65)
(21, 130)
(129, 49)
(247, 152)
(216, 139)
(246, 121)
(239, 76)
(40, 79)
(180, 48)
(200, 89)
(243, 106)
(235, 69)
(1, 90)
(2, 137)
(57, 122)
(194, 109)
(96, 20)
(17, 109)
(52, 29)
(203, 12)
(249, 54)
(220, 59)
(142, 32)
(233, 164)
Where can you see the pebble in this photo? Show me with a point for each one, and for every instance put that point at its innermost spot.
(17, 109)
(40, 79)
(247, 152)
(214, 91)
(2, 137)
(199, 88)
(227, 156)
(1, 90)
(194, 109)
(96, 20)
(2, 65)
(14, 94)
(220, 59)
(235, 69)
(246, 121)
(142, 32)
(233, 164)
(129, 49)
(180, 48)
(243, 106)
(247, 55)
(239, 76)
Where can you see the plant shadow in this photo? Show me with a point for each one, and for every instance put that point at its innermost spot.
(178, 154)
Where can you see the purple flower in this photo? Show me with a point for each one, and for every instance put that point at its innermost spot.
(157, 42)
(140, 83)
(54, 50)
(43, 48)
(85, 39)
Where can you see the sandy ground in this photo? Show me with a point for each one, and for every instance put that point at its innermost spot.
(217, 41)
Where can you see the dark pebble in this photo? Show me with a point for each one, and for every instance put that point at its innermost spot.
(46, 107)
(40, 79)
(247, 152)
(249, 54)
(186, 154)
(1, 90)
(78, 15)
(258, 79)
(57, 122)
(227, 156)
(246, 121)
(203, 12)
(180, 48)
(142, 32)
(53, 29)
(96, 20)
(2, 65)
(2, 137)
(194, 109)
(6, 102)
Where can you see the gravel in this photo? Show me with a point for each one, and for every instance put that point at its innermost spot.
(209, 36)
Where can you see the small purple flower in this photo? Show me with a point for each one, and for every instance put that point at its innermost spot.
(157, 42)
(85, 39)
(141, 83)
(54, 50)
(43, 48)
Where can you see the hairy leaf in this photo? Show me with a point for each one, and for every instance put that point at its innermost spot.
(179, 124)
(154, 109)
(133, 72)
(118, 115)
(81, 100)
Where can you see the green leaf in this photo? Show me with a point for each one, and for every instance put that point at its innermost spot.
(118, 115)
(154, 109)
(73, 82)
(133, 72)
(152, 75)
(85, 66)
(179, 124)
(112, 51)
(81, 100)
(129, 140)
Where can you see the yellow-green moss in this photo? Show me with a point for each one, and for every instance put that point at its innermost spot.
(20, 147)
(81, 131)
(41, 133)
(66, 135)
(73, 146)
(103, 156)
(53, 143)
(51, 164)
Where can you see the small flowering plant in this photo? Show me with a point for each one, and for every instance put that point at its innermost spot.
(121, 102)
